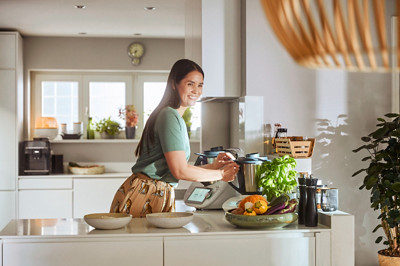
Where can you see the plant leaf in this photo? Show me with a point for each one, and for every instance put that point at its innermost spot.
(391, 115)
(396, 186)
(359, 171)
(366, 139)
(376, 228)
(378, 240)
(380, 133)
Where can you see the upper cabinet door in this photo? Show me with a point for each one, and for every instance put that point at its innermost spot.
(8, 50)
(213, 40)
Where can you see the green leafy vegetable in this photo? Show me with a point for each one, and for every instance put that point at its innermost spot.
(277, 177)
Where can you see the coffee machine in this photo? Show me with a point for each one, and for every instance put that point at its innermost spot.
(36, 157)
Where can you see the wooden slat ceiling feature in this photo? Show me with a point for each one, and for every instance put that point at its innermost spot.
(337, 34)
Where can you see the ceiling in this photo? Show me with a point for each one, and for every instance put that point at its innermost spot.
(99, 18)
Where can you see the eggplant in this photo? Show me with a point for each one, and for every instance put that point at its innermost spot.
(276, 208)
(277, 201)
(291, 207)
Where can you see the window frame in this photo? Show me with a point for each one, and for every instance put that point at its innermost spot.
(133, 93)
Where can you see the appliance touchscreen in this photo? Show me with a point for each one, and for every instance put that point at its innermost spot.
(199, 195)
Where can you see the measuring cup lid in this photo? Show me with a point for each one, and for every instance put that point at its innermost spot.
(252, 158)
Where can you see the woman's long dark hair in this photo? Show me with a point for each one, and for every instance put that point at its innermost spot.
(170, 98)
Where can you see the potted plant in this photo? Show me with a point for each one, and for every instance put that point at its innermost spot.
(277, 177)
(187, 117)
(131, 118)
(107, 128)
(382, 178)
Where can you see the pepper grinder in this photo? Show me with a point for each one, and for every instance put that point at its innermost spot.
(302, 200)
(311, 217)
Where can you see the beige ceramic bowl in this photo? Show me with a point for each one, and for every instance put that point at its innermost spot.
(169, 219)
(50, 133)
(107, 220)
(88, 170)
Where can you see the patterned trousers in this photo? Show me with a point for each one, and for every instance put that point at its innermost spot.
(140, 194)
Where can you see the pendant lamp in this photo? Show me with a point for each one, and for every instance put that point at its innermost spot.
(355, 35)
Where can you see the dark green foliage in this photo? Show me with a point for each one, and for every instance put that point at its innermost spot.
(382, 177)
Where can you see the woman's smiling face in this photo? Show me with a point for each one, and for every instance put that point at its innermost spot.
(190, 88)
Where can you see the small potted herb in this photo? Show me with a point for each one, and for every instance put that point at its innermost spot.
(277, 177)
(131, 118)
(108, 128)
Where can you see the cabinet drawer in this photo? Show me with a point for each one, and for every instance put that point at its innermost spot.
(45, 183)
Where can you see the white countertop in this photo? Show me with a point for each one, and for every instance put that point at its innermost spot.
(211, 222)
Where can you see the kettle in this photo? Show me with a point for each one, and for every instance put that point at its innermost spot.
(247, 175)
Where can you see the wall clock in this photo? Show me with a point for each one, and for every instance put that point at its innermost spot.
(135, 52)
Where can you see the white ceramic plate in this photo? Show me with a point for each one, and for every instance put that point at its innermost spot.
(169, 219)
(107, 220)
(232, 203)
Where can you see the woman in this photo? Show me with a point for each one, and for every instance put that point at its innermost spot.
(164, 150)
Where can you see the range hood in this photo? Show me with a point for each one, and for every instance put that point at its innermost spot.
(233, 122)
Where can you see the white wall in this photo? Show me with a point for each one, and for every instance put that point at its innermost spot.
(336, 107)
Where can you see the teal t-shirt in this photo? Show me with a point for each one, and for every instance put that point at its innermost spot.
(170, 135)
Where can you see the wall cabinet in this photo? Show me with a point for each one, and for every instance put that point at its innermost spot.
(11, 115)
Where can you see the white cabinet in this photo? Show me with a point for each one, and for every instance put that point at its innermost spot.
(11, 95)
(94, 195)
(45, 198)
(8, 162)
(8, 50)
(36, 204)
(7, 207)
(265, 249)
(11, 117)
(84, 251)
(221, 48)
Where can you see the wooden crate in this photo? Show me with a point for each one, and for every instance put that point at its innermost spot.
(295, 147)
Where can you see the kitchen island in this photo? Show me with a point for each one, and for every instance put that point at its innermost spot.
(208, 240)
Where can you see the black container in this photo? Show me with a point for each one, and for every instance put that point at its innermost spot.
(57, 164)
(302, 200)
(311, 218)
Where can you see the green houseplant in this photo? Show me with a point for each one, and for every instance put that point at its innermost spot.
(382, 178)
(187, 117)
(277, 177)
(108, 128)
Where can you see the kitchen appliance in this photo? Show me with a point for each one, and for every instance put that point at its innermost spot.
(37, 156)
(209, 195)
(246, 176)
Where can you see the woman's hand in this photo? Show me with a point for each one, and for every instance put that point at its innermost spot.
(229, 172)
(223, 158)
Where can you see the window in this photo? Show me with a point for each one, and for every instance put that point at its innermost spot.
(60, 100)
(72, 97)
(152, 94)
(105, 99)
